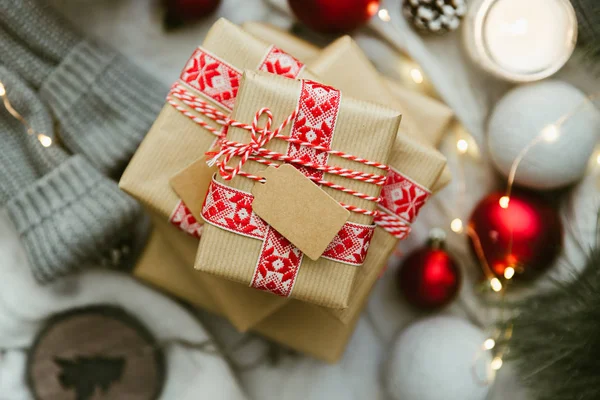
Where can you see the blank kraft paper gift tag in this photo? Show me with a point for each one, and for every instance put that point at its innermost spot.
(191, 185)
(298, 209)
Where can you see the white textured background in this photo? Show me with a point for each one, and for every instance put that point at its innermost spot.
(133, 26)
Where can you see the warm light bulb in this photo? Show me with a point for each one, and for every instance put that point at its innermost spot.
(2, 90)
(456, 225)
(384, 15)
(495, 284)
(598, 159)
(496, 363)
(462, 145)
(489, 344)
(504, 201)
(46, 141)
(416, 75)
(550, 133)
(509, 272)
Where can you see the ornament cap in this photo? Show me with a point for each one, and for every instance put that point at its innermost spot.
(437, 239)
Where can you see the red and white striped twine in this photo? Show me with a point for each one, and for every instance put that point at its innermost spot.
(392, 224)
(256, 152)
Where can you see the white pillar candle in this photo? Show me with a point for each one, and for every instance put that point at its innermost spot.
(521, 40)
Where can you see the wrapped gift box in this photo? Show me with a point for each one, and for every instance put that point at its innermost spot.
(328, 118)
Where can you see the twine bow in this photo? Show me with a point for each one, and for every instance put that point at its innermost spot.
(256, 146)
(260, 137)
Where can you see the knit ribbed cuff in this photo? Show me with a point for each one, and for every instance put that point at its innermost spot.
(104, 104)
(70, 217)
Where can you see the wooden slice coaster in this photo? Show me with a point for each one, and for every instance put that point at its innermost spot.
(95, 353)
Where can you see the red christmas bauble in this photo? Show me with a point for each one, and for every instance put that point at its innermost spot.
(334, 16)
(524, 233)
(181, 11)
(429, 278)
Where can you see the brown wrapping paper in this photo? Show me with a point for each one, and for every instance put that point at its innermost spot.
(422, 116)
(301, 49)
(233, 256)
(242, 310)
(332, 66)
(423, 165)
(300, 326)
(304, 327)
(175, 141)
(317, 331)
(165, 264)
(428, 116)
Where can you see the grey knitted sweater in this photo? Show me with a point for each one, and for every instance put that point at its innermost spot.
(97, 107)
(104, 104)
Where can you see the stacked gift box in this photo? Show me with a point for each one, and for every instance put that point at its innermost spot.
(248, 101)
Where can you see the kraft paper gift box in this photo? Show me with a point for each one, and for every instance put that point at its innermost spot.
(424, 117)
(372, 87)
(299, 48)
(243, 310)
(254, 306)
(175, 140)
(304, 327)
(325, 117)
(165, 263)
(301, 326)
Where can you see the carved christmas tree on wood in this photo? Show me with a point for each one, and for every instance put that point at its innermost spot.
(85, 375)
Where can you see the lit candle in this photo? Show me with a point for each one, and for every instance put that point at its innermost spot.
(521, 40)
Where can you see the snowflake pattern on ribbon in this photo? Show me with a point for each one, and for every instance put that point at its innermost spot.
(403, 197)
(220, 81)
(352, 241)
(183, 219)
(231, 209)
(214, 78)
(277, 266)
(278, 62)
(318, 107)
(315, 123)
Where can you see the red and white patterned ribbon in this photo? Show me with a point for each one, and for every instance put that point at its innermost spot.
(219, 81)
(183, 219)
(279, 261)
(231, 209)
(310, 139)
(401, 200)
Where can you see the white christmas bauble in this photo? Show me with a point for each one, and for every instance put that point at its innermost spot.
(439, 358)
(530, 110)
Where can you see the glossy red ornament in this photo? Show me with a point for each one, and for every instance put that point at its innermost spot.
(429, 278)
(526, 234)
(334, 16)
(182, 11)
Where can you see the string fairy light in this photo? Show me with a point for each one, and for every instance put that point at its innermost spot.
(384, 15)
(462, 146)
(416, 75)
(456, 225)
(489, 344)
(504, 201)
(509, 272)
(496, 363)
(549, 134)
(44, 140)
